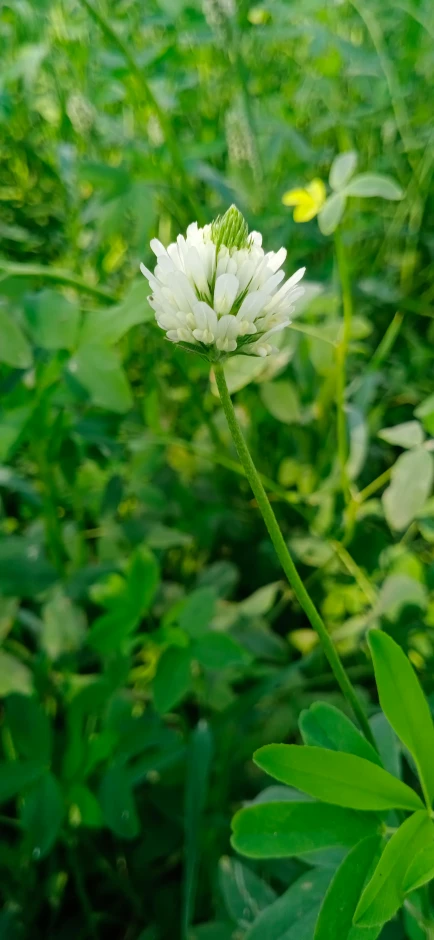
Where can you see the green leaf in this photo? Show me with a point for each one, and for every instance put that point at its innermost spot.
(197, 611)
(110, 630)
(98, 370)
(12, 425)
(280, 830)
(118, 804)
(331, 213)
(53, 320)
(84, 808)
(412, 479)
(199, 757)
(108, 326)
(342, 169)
(244, 893)
(16, 776)
(409, 434)
(173, 678)
(388, 744)
(384, 893)
(14, 675)
(420, 870)
(334, 777)
(219, 651)
(293, 915)
(63, 628)
(282, 401)
(42, 815)
(404, 704)
(425, 411)
(24, 571)
(14, 348)
(336, 915)
(30, 728)
(374, 184)
(325, 726)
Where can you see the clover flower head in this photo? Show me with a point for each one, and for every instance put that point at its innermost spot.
(218, 293)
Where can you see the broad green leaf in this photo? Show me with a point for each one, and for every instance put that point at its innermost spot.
(409, 434)
(399, 591)
(325, 726)
(42, 815)
(373, 184)
(108, 326)
(336, 915)
(261, 601)
(199, 758)
(282, 401)
(388, 744)
(99, 371)
(197, 611)
(214, 930)
(16, 776)
(404, 704)
(412, 479)
(63, 626)
(84, 809)
(109, 631)
(24, 570)
(280, 830)
(244, 893)
(12, 425)
(29, 727)
(425, 411)
(15, 676)
(118, 804)
(173, 678)
(384, 893)
(342, 169)
(53, 320)
(331, 213)
(293, 915)
(420, 870)
(219, 651)
(14, 348)
(335, 777)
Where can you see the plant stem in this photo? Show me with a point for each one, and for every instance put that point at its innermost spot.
(45, 273)
(284, 556)
(341, 356)
(164, 122)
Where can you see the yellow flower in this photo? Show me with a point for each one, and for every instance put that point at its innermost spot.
(307, 202)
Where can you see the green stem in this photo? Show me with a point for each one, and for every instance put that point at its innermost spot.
(169, 134)
(375, 485)
(9, 269)
(284, 556)
(341, 356)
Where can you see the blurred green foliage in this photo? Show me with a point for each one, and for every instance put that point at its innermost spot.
(148, 643)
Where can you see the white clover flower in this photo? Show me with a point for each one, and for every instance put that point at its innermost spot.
(218, 293)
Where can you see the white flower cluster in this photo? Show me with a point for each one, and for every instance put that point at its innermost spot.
(217, 292)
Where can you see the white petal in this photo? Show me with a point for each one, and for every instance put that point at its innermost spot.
(205, 316)
(269, 285)
(276, 259)
(245, 273)
(158, 248)
(149, 276)
(175, 256)
(252, 306)
(195, 268)
(256, 238)
(227, 331)
(225, 292)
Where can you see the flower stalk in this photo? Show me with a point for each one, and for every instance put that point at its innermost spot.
(341, 365)
(284, 556)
